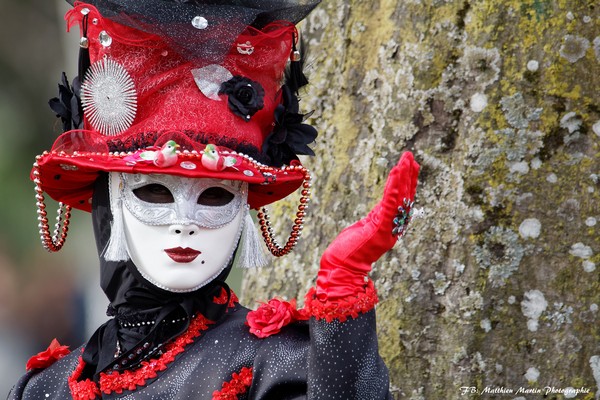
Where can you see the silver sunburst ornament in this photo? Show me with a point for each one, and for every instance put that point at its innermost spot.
(108, 96)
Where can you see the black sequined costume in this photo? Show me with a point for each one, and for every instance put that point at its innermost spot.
(307, 360)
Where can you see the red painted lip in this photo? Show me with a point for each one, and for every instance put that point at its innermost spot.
(181, 255)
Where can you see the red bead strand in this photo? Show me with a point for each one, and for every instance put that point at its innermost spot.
(51, 242)
(267, 231)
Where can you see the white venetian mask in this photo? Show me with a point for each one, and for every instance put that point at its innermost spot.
(180, 232)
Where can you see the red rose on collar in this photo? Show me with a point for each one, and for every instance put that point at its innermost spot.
(270, 317)
(46, 358)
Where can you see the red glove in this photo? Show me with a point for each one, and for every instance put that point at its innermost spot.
(347, 261)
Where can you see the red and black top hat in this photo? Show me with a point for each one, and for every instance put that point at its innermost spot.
(190, 88)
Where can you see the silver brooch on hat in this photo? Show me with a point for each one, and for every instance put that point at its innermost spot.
(108, 97)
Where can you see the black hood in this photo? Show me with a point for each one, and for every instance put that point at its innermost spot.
(134, 300)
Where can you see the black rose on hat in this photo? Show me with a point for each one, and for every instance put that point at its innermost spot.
(245, 96)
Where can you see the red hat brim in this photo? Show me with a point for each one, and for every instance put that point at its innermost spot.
(69, 178)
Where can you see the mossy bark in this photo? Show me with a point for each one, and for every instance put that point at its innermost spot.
(497, 286)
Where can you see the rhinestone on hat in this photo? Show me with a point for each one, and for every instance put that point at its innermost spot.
(199, 22)
(108, 96)
(187, 165)
(105, 39)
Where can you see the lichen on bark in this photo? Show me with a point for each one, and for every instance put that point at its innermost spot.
(499, 103)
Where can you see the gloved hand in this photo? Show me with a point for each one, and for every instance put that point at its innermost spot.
(347, 260)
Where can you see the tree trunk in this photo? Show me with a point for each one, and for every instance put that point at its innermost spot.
(495, 289)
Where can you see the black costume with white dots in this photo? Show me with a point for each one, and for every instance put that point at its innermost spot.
(307, 360)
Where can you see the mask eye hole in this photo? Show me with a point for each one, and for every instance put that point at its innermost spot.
(154, 193)
(215, 196)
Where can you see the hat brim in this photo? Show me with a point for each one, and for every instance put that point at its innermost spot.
(69, 178)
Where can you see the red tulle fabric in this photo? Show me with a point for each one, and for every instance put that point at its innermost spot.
(117, 382)
(238, 385)
(46, 358)
(343, 308)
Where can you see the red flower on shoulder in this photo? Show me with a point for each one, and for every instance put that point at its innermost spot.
(269, 318)
(46, 358)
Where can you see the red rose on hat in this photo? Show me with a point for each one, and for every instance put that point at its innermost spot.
(269, 318)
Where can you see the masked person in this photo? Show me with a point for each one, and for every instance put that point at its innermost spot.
(186, 117)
